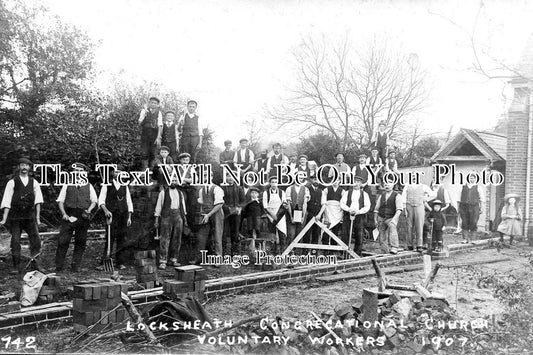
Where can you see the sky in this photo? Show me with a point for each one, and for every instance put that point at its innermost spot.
(235, 57)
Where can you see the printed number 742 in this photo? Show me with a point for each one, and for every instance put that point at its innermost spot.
(28, 343)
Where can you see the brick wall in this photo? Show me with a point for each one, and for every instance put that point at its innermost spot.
(517, 136)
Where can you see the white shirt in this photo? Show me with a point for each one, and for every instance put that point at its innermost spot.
(175, 200)
(242, 152)
(63, 194)
(355, 201)
(10, 188)
(103, 195)
(159, 117)
(426, 189)
(218, 192)
(325, 194)
(275, 201)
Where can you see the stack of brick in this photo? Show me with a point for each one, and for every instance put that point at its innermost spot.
(145, 265)
(190, 281)
(50, 290)
(98, 303)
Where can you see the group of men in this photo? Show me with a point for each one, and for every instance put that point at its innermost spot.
(227, 212)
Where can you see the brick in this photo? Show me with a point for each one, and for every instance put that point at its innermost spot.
(141, 254)
(97, 292)
(84, 292)
(146, 278)
(147, 269)
(174, 287)
(49, 290)
(144, 262)
(113, 291)
(84, 318)
(121, 314)
(199, 285)
(200, 274)
(152, 254)
(103, 304)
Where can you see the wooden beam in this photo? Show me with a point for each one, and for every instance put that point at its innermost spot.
(464, 158)
(382, 282)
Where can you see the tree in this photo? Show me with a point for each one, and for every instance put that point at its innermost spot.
(42, 58)
(322, 147)
(347, 93)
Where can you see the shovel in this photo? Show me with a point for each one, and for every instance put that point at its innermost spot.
(352, 218)
(108, 262)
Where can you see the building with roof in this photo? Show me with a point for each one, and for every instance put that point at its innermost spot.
(473, 151)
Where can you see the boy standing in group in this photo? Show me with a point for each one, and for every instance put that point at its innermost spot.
(170, 134)
(151, 122)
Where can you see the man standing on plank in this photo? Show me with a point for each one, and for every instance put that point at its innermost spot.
(191, 131)
(151, 122)
(22, 206)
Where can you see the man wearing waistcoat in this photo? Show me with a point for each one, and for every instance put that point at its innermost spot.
(151, 122)
(171, 208)
(115, 201)
(415, 197)
(375, 163)
(303, 165)
(234, 200)
(261, 163)
(211, 200)
(313, 208)
(227, 155)
(244, 156)
(470, 206)
(355, 203)
(191, 131)
(277, 158)
(381, 140)
(297, 197)
(75, 205)
(170, 135)
(22, 210)
(386, 214)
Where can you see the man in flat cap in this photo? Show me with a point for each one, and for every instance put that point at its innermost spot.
(22, 205)
(276, 159)
(355, 203)
(151, 122)
(302, 164)
(191, 130)
(115, 201)
(227, 155)
(244, 156)
(75, 204)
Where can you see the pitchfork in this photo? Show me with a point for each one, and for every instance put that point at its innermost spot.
(108, 262)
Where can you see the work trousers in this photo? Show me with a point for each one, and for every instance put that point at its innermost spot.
(67, 229)
(118, 236)
(215, 227)
(171, 231)
(357, 231)
(388, 234)
(231, 229)
(148, 147)
(189, 144)
(415, 218)
(469, 216)
(29, 225)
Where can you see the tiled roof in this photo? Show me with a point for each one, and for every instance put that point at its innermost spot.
(493, 146)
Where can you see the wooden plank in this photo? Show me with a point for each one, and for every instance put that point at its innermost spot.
(431, 276)
(48, 305)
(335, 238)
(319, 246)
(400, 287)
(298, 237)
(364, 273)
(422, 291)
